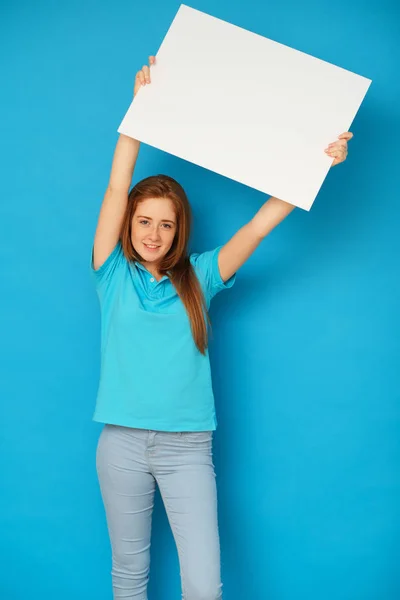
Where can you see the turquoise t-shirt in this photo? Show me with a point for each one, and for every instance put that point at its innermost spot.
(152, 375)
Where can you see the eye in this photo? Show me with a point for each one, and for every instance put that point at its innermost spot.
(168, 225)
(143, 221)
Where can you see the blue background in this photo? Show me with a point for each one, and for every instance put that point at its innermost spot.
(305, 352)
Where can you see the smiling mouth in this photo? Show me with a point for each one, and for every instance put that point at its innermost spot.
(151, 246)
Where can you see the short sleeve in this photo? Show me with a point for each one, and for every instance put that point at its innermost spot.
(104, 274)
(207, 271)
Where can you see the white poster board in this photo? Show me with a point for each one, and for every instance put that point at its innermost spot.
(244, 106)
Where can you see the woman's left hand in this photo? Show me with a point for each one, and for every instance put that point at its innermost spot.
(338, 150)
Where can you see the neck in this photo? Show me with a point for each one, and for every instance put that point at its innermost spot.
(152, 268)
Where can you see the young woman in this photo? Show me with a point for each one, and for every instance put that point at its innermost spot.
(155, 394)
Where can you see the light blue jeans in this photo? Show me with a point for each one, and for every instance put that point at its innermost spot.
(129, 463)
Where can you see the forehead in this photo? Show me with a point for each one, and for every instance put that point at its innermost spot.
(157, 207)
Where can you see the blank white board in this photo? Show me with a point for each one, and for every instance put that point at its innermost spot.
(245, 106)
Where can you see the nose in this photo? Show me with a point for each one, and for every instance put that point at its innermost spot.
(154, 234)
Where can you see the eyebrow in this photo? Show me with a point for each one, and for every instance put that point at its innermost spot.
(150, 219)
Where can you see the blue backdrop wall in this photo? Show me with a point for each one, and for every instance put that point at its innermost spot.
(305, 352)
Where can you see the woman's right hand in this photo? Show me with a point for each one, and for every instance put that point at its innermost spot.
(143, 76)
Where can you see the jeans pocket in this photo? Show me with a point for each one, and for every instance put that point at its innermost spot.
(196, 437)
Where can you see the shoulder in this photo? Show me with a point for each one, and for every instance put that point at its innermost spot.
(105, 274)
(206, 268)
(205, 263)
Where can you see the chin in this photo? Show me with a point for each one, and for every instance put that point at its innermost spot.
(151, 259)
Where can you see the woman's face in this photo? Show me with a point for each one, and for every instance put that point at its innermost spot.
(153, 228)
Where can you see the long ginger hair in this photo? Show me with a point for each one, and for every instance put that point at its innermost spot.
(175, 263)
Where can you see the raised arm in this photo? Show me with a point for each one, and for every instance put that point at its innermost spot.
(116, 196)
(240, 247)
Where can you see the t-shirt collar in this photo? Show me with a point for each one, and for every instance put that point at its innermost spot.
(143, 268)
